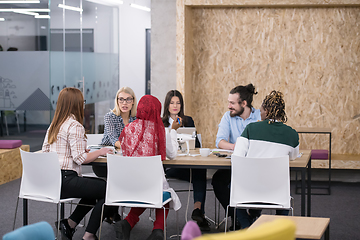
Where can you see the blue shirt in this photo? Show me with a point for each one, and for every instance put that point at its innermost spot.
(230, 128)
(113, 128)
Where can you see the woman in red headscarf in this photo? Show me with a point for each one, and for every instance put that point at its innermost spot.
(145, 137)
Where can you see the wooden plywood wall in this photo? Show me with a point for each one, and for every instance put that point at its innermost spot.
(312, 55)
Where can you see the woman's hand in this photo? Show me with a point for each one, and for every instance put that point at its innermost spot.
(117, 144)
(175, 125)
(104, 151)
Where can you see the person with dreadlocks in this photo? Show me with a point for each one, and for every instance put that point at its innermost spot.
(267, 138)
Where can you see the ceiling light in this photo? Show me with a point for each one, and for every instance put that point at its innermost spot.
(107, 2)
(24, 1)
(27, 13)
(2, 19)
(140, 7)
(25, 9)
(42, 16)
(70, 7)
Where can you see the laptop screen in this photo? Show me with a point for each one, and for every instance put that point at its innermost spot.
(186, 130)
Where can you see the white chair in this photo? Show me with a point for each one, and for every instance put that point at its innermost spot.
(262, 183)
(135, 182)
(94, 139)
(41, 180)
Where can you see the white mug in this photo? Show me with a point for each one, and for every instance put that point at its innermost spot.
(204, 152)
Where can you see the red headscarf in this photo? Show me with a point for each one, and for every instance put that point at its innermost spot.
(146, 135)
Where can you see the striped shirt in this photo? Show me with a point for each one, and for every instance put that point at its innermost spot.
(70, 145)
(261, 139)
(113, 128)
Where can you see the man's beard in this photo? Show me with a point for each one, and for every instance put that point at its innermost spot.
(236, 113)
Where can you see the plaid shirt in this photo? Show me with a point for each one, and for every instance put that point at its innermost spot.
(113, 128)
(70, 145)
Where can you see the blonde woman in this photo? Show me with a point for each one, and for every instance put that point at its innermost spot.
(123, 113)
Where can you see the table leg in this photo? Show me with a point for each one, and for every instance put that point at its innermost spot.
(25, 212)
(62, 211)
(327, 233)
(1, 122)
(303, 183)
(309, 189)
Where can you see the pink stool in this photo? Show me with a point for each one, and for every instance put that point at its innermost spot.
(319, 154)
(8, 144)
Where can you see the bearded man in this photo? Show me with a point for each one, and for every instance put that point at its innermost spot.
(231, 126)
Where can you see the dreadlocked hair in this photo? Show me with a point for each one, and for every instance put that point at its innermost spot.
(275, 105)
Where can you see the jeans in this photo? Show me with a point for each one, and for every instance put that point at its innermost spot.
(221, 184)
(198, 177)
(246, 219)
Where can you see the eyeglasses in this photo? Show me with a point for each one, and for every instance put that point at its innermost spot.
(128, 100)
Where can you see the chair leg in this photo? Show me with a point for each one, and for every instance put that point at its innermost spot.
(226, 218)
(164, 223)
(102, 215)
(16, 208)
(177, 225)
(58, 220)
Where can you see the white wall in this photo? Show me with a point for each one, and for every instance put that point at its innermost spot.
(133, 23)
(163, 47)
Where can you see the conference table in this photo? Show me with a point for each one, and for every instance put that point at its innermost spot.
(194, 160)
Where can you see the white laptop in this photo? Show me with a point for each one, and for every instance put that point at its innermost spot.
(186, 130)
(189, 131)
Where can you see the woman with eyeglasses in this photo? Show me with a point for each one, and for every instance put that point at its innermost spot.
(123, 113)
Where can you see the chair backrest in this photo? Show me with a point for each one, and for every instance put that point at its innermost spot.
(260, 181)
(280, 229)
(134, 181)
(36, 231)
(94, 139)
(190, 231)
(41, 176)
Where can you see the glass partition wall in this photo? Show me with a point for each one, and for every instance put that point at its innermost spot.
(50, 45)
(84, 53)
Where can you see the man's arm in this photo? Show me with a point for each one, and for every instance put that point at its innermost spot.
(223, 134)
(226, 145)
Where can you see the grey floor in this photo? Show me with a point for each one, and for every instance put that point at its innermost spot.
(342, 206)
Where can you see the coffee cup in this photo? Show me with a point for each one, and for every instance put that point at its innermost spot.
(204, 152)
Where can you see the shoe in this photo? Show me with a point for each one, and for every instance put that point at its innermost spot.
(111, 220)
(66, 231)
(157, 234)
(122, 230)
(198, 216)
(96, 238)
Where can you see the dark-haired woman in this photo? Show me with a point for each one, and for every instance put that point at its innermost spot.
(174, 109)
(66, 137)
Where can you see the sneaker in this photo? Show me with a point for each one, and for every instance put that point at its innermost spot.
(112, 220)
(157, 234)
(122, 230)
(66, 231)
(200, 219)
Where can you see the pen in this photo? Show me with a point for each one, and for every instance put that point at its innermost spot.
(178, 120)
